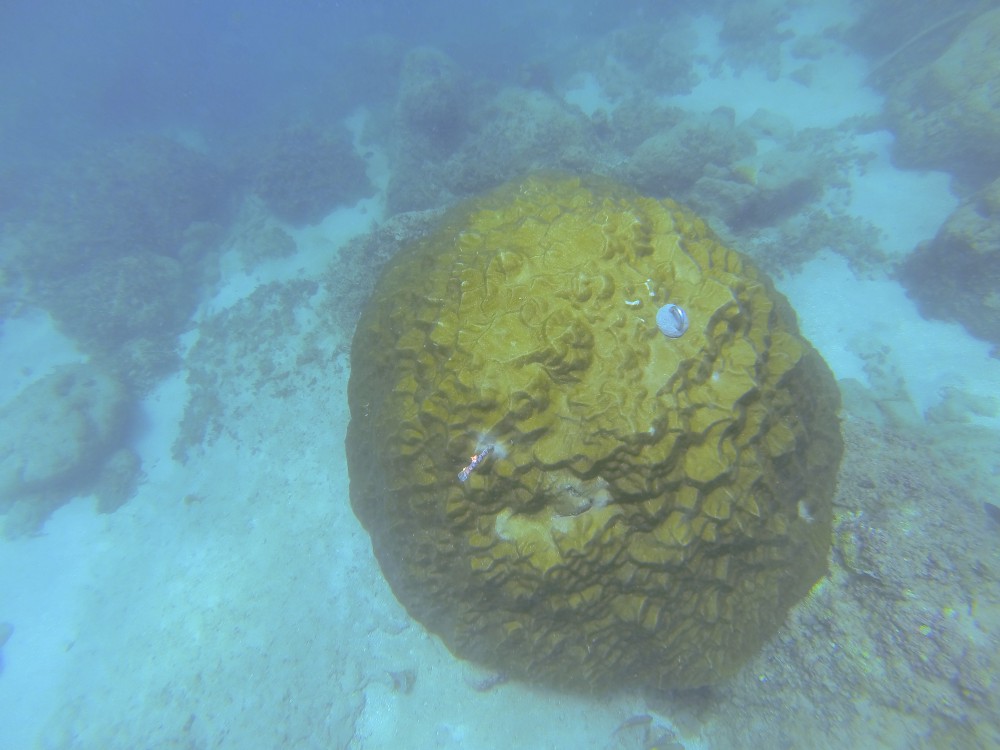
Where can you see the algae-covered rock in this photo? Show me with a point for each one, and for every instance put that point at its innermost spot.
(956, 276)
(303, 173)
(57, 427)
(651, 507)
(58, 434)
(126, 197)
(672, 161)
(121, 299)
(432, 103)
(946, 115)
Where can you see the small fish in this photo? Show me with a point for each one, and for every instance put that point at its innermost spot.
(474, 461)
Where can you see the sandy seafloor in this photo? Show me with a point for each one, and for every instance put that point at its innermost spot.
(235, 601)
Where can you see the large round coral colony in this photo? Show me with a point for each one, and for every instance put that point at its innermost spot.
(556, 490)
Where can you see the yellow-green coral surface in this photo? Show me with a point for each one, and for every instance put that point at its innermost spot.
(653, 506)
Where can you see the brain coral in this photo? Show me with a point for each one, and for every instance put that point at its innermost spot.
(652, 506)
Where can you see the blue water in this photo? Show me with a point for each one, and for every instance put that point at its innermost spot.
(195, 202)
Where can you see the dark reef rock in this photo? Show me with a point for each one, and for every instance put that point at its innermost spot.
(135, 296)
(432, 103)
(520, 131)
(135, 197)
(306, 172)
(956, 276)
(416, 185)
(670, 162)
(888, 31)
(898, 627)
(638, 118)
(515, 132)
(593, 551)
(118, 480)
(946, 113)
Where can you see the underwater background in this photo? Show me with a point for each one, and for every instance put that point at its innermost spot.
(195, 203)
